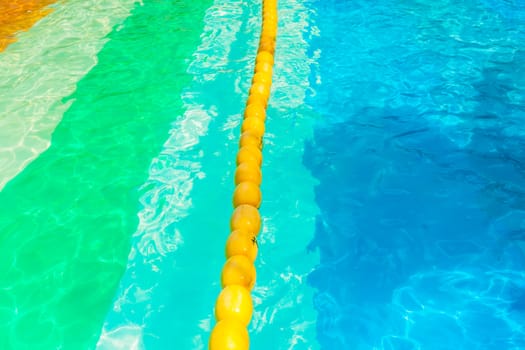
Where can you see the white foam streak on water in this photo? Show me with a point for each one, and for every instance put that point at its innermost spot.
(167, 192)
(51, 57)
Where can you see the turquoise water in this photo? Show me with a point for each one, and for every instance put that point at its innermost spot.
(393, 179)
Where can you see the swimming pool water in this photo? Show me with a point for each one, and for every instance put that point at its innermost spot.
(393, 175)
(66, 220)
(144, 155)
(420, 156)
(160, 283)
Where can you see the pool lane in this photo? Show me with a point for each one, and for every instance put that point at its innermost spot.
(420, 157)
(20, 15)
(166, 297)
(67, 218)
(160, 297)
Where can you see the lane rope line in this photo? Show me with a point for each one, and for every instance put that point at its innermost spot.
(234, 305)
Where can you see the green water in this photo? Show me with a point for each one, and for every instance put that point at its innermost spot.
(66, 220)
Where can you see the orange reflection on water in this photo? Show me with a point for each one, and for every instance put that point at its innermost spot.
(19, 15)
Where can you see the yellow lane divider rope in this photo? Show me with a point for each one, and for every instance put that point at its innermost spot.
(234, 306)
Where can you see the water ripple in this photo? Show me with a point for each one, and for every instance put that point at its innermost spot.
(419, 154)
(166, 198)
(34, 78)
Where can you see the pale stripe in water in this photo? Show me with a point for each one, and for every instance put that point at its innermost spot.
(51, 57)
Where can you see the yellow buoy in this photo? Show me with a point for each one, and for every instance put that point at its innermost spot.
(253, 125)
(262, 89)
(256, 110)
(229, 334)
(248, 171)
(247, 193)
(262, 77)
(235, 303)
(249, 153)
(264, 57)
(250, 139)
(246, 218)
(269, 31)
(267, 44)
(257, 98)
(238, 269)
(242, 243)
(263, 67)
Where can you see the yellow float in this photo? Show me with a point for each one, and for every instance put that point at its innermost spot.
(229, 334)
(247, 192)
(253, 124)
(242, 243)
(246, 218)
(256, 110)
(238, 270)
(247, 171)
(249, 153)
(249, 138)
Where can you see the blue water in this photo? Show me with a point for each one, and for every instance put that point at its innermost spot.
(420, 155)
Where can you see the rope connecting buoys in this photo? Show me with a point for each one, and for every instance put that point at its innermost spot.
(234, 306)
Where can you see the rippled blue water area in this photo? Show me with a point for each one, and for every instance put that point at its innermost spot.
(420, 155)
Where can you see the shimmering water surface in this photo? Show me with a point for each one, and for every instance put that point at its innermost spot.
(420, 155)
(394, 174)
